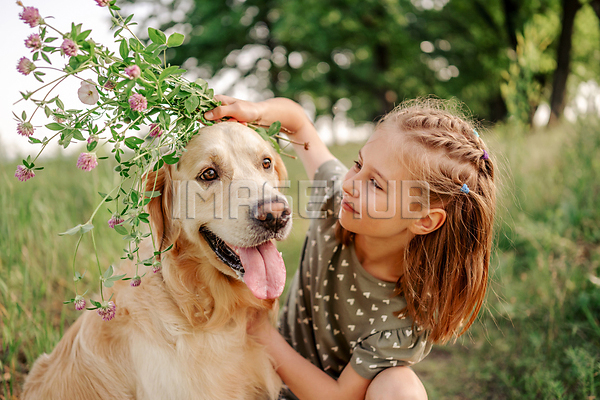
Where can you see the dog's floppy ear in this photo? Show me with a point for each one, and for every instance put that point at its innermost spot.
(280, 168)
(160, 208)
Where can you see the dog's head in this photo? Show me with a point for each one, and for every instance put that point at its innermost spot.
(222, 200)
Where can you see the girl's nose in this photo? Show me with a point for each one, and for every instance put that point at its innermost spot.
(350, 187)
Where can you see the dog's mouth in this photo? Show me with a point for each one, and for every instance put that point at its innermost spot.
(260, 267)
(223, 251)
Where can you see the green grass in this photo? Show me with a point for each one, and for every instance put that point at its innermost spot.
(538, 337)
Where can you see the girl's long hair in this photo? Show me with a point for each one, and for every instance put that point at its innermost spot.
(445, 273)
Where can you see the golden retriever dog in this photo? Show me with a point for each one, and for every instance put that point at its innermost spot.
(182, 333)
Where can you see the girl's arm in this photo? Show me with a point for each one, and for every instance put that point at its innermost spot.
(292, 118)
(305, 380)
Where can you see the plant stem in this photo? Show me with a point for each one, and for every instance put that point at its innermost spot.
(89, 221)
(98, 262)
(74, 257)
(46, 96)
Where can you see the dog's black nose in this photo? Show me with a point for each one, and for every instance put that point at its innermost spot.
(272, 214)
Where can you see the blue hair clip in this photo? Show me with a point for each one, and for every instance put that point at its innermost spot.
(465, 189)
(475, 133)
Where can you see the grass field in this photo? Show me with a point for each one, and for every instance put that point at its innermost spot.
(538, 337)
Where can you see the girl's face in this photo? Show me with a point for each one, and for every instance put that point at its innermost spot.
(380, 198)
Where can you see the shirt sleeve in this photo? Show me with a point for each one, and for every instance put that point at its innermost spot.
(323, 203)
(389, 348)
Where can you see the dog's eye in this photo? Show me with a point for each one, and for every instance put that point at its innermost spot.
(209, 174)
(266, 163)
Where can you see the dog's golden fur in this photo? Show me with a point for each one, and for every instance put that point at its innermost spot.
(182, 333)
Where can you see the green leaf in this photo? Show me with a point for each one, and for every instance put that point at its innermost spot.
(83, 35)
(164, 118)
(116, 278)
(274, 128)
(152, 194)
(135, 198)
(152, 60)
(150, 75)
(91, 146)
(158, 165)
(124, 49)
(109, 272)
(121, 230)
(96, 303)
(263, 133)
(77, 134)
(170, 158)
(75, 29)
(157, 36)
(55, 126)
(175, 40)
(157, 49)
(45, 57)
(105, 195)
(275, 145)
(109, 283)
(171, 95)
(202, 83)
(191, 103)
(166, 72)
(79, 229)
(133, 142)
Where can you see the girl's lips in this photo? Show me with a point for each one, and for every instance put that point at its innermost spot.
(346, 206)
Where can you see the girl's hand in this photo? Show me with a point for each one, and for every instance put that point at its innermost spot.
(240, 110)
(294, 121)
(260, 328)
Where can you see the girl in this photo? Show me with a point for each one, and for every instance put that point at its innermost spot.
(381, 278)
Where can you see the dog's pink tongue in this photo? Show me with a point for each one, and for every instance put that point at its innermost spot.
(264, 270)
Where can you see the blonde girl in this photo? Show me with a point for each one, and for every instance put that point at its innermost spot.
(396, 260)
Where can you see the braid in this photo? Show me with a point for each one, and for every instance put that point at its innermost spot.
(434, 126)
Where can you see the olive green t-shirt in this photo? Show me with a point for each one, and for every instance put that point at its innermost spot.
(336, 312)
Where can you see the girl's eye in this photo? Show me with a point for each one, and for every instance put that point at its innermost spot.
(357, 165)
(266, 163)
(209, 174)
(377, 186)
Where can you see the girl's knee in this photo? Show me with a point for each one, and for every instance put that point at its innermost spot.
(397, 383)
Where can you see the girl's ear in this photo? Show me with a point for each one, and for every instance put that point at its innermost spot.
(429, 223)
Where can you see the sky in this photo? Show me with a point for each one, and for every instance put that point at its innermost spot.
(14, 32)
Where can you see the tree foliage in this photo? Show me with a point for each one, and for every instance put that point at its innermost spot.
(497, 56)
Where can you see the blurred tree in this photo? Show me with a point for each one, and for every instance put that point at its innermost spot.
(563, 58)
(373, 53)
